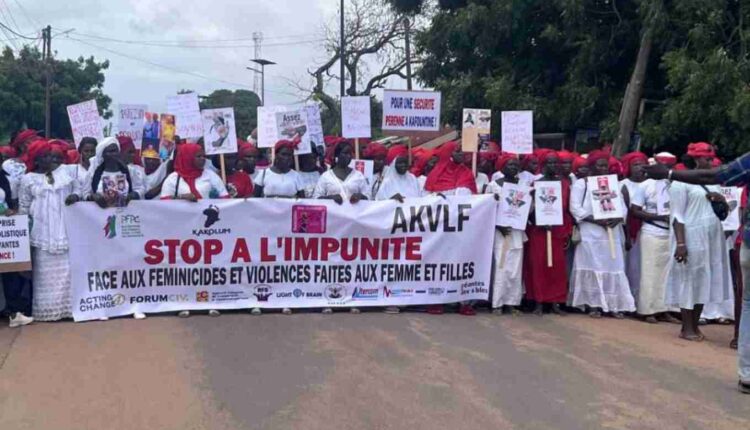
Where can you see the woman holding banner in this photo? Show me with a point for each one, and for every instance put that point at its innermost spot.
(598, 280)
(547, 284)
(700, 273)
(398, 182)
(191, 181)
(280, 180)
(507, 285)
(108, 182)
(128, 155)
(42, 194)
(309, 173)
(377, 153)
(86, 151)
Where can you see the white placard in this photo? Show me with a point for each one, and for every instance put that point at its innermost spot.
(475, 122)
(15, 253)
(314, 125)
(513, 207)
(187, 114)
(518, 131)
(355, 117)
(85, 121)
(365, 167)
(130, 122)
(411, 110)
(267, 133)
(662, 197)
(548, 204)
(292, 125)
(733, 196)
(605, 195)
(219, 132)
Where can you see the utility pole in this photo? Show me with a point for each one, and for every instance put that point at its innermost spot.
(341, 48)
(47, 57)
(263, 63)
(257, 79)
(408, 54)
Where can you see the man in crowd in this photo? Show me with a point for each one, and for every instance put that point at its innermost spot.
(735, 173)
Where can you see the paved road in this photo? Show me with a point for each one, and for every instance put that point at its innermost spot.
(369, 371)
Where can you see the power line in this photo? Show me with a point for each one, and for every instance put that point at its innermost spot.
(33, 22)
(170, 42)
(10, 14)
(17, 34)
(166, 45)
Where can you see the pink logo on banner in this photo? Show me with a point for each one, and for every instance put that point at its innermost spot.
(309, 219)
(359, 166)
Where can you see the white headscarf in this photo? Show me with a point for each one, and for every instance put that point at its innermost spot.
(407, 185)
(98, 158)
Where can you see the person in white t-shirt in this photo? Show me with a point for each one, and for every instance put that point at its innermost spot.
(108, 181)
(308, 173)
(86, 150)
(280, 180)
(342, 182)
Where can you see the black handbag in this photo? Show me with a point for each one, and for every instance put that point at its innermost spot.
(721, 209)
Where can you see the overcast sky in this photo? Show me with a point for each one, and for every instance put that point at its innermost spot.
(286, 25)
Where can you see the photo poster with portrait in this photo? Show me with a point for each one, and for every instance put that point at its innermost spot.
(292, 125)
(733, 195)
(548, 209)
(606, 203)
(152, 136)
(365, 167)
(475, 122)
(514, 206)
(219, 131)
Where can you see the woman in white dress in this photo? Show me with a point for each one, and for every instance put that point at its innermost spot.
(137, 173)
(108, 182)
(79, 170)
(398, 183)
(632, 164)
(507, 285)
(43, 193)
(699, 273)
(309, 173)
(191, 181)
(598, 280)
(342, 183)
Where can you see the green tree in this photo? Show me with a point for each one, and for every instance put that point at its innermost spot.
(245, 104)
(22, 90)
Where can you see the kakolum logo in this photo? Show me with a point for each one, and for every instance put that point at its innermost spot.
(212, 216)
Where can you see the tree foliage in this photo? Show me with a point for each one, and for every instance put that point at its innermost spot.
(245, 104)
(22, 90)
(570, 61)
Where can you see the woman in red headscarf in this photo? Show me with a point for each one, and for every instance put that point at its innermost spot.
(632, 170)
(280, 180)
(191, 180)
(699, 273)
(547, 285)
(580, 168)
(342, 182)
(43, 193)
(507, 284)
(16, 167)
(398, 183)
(450, 176)
(377, 153)
(424, 160)
(598, 280)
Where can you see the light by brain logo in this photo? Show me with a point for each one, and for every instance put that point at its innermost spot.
(201, 296)
(298, 293)
(309, 219)
(110, 228)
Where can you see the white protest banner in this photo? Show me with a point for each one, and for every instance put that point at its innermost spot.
(517, 131)
(514, 206)
(733, 195)
(662, 197)
(475, 122)
(365, 167)
(314, 125)
(268, 135)
(411, 110)
(187, 114)
(606, 198)
(130, 122)
(355, 117)
(15, 251)
(548, 203)
(219, 132)
(175, 255)
(85, 121)
(292, 125)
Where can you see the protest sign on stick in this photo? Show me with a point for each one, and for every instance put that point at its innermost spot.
(548, 209)
(219, 131)
(606, 203)
(475, 122)
(85, 121)
(355, 117)
(733, 195)
(411, 110)
(517, 131)
(14, 242)
(187, 114)
(130, 122)
(513, 211)
(292, 125)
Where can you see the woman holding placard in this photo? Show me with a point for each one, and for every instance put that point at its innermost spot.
(42, 194)
(699, 273)
(108, 182)
(545, 274)
(507, 285)
(598, 279)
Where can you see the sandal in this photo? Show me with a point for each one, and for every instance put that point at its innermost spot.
(651, 320)
(733, 344)
(595, 314)
(557, 310)
(692, 337)
(669, 319)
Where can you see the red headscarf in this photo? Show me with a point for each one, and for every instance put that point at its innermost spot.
(566, 155)
(126, 144)
(490, 156)
(184, 165)
(679, 166)
(395, 152)
(72, 157)
(374, 150)
(527, 159)
(716, 162)
(543, 155)
(615, 167)
(290, 144)
(58, 146)
(246, 149)
(578, 163)
(24, 136)
(665, 158)
(37, 149)
(628, 159)
(503, 159)
(491, 147)
(701, 149)
(448, 175)
(420, 157)
(595, 156)
(8, 151)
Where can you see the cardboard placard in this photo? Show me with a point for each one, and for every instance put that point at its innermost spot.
(733, 196)
(291, 125)
(475, 122)
(365, 167)
(606, 198)
(219, 132)
(517, 131)
(411, 110)
(85, 121)
(513, 207)
(186, 109)
(15, 251)
(548, 203)
(130, 122)
(355, 117)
